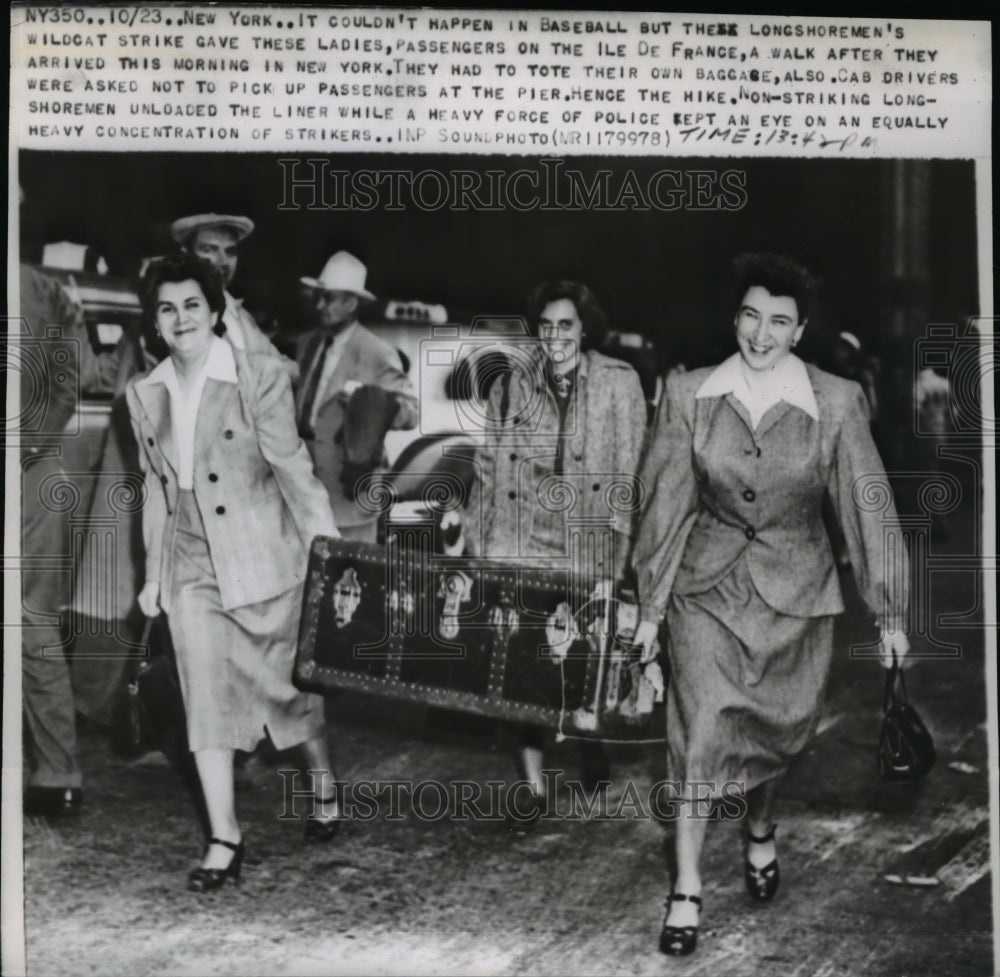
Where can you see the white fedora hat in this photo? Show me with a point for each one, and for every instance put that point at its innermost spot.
(342, 273)
(182, 228)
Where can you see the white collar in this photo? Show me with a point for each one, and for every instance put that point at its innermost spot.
(788, 381)
(220, 365)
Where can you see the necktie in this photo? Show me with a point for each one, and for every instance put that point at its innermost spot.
(311, 389)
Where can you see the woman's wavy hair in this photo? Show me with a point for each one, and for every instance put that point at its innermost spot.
(181, 267)
(780, 275)
(595, 323)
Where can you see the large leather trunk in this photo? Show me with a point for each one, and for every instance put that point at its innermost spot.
(488, 637)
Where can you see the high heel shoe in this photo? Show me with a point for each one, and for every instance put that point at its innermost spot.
(762, 883)
(679, 941)
(206, 879)
(320, 829)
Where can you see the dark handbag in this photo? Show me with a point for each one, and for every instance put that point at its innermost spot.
(149, 713)
(905, 747)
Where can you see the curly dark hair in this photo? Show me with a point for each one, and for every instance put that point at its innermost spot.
(780, 275)
(595, 323)
(181, 267)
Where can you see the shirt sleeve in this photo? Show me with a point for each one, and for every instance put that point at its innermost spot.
(668, 483)
(392, 378)
(863, 500)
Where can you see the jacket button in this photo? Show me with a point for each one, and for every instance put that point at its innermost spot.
(228, 434)
(221, 510)
(513, 456)
(163, 478)
(750, 532)
(758, 452)
(749, 495)
(512, 495)
(212, 477)
(596, 486)
(577, 457)
(149, 441)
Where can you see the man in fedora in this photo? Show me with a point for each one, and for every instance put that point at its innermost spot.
(353, 388)
(216, 239)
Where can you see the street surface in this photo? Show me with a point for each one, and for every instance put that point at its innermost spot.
(877, 879)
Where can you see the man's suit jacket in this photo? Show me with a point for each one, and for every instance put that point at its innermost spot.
(365, 359)
(244, 333)
(717, 490)
(253, 479)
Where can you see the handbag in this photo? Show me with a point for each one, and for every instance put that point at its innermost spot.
(906, 747)
(149, 711)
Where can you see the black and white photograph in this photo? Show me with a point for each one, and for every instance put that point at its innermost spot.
(582, 428)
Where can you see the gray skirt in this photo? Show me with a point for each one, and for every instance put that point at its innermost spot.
(746, 684)
(235, 666)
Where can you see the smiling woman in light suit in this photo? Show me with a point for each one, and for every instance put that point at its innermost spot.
(732, 550)
(232, 506)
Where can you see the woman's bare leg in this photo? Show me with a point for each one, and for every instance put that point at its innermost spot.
(761, 804)
(215, 771)
(688, 844)
(317, 754)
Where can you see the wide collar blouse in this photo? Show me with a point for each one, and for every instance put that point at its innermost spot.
(219, 365)
(788, 381)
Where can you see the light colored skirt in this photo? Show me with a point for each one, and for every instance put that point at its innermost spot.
(235, 666)
(746, 684)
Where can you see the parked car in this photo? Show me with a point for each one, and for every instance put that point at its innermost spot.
(452, 366)
(110, 310)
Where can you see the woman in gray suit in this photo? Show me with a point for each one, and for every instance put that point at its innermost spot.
(732, 550)
(232, 506)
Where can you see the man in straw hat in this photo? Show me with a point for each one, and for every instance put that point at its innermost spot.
(353, 389)
(216, 239)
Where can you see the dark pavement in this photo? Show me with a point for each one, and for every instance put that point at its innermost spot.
(877, 879)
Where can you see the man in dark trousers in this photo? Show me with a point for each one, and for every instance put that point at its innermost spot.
(52, 352)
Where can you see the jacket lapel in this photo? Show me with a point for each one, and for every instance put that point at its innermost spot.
(738, 409)
(216, 398)
(771, 417)
(155, 400)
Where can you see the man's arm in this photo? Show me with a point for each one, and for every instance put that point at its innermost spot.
(392, 378)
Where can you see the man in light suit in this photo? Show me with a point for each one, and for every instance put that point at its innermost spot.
(216, 238)
(348, 375)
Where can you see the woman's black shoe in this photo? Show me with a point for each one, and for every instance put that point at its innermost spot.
(762, 883)
(206, 879)
(679, 941)
(320, 829)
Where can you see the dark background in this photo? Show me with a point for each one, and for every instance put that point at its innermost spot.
(664, 274)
